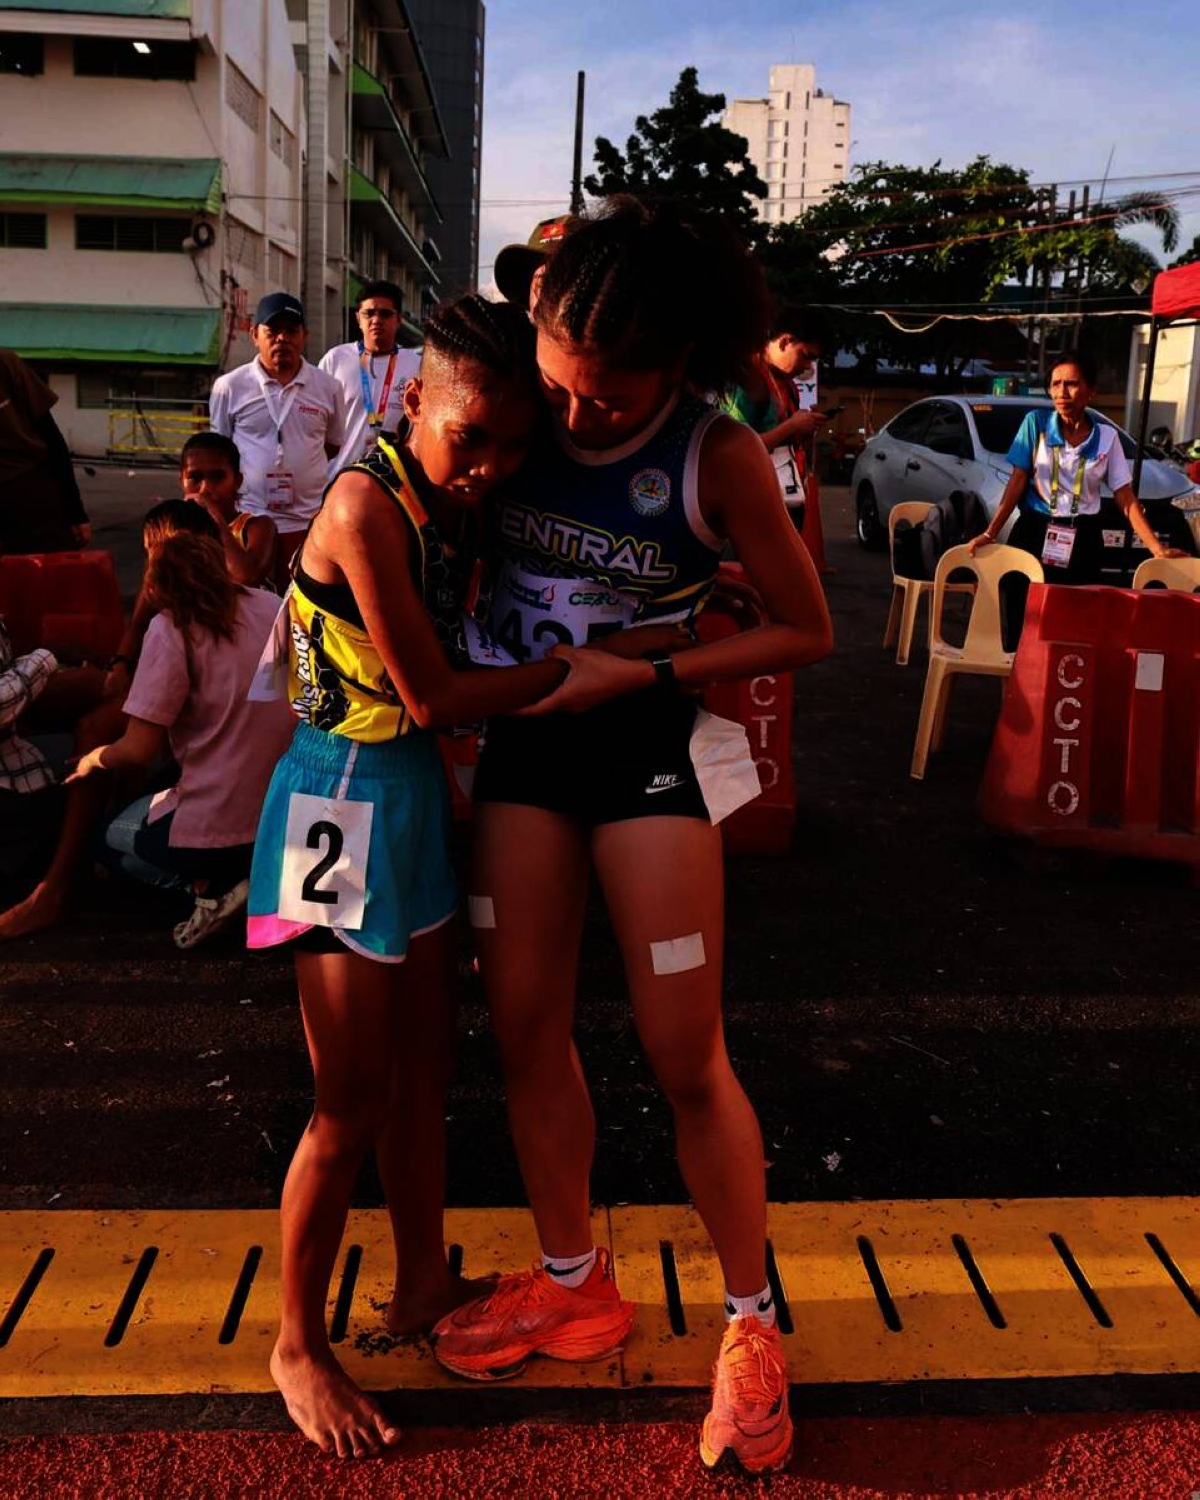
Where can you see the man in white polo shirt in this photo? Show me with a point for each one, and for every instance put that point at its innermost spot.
(372, 372)
(287, 418)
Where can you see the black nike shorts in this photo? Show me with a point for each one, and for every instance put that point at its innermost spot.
(627, 759)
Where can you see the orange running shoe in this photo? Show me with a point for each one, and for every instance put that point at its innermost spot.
(529, 1313)
(749, 1416)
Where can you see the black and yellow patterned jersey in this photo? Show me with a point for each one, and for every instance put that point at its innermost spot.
(337, 680)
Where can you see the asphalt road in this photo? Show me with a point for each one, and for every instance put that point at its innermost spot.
(913, 1010)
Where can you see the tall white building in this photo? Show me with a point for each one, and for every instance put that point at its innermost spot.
(798, 139)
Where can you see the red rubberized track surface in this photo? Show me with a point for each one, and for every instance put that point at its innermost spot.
(1146, 1457)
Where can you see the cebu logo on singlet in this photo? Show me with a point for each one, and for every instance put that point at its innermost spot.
(650, 492)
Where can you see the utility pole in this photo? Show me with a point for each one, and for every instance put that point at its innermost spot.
(577, 174)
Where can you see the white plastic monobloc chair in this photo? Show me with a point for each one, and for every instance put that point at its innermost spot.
(983, 650)
(1182, 573)
(907, 593)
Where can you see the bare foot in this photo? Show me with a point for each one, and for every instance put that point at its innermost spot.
(44, 907)
(328, 1408)
(417, 1309)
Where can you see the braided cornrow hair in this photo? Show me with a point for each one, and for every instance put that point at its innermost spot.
(643, 284)
(496, 335)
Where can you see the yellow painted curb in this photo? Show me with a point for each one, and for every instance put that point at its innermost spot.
(163, 1303)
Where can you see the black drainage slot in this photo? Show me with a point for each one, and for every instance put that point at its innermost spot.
(129, 1302)
(454, 1260)
(666, 1254)
(1086, 1289)
(879, 1285)
(345, 1296)
(25, 1296)
(1164, 1255)
(783, 1313)
(978, 1283)
(241, 1294)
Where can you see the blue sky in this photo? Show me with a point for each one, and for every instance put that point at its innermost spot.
(1051, 87)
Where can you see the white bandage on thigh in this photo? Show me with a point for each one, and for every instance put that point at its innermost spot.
(481, 911)
(678, 955)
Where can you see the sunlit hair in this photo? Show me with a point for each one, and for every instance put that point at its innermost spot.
(646, 286)
(173, 518)
(187, 577)
(496, 335)
(1084, 363)
(212, 442)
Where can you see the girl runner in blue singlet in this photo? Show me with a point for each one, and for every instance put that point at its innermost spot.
(611, 535)
(351, 861)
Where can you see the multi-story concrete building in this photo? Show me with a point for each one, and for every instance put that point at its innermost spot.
(149, 193)
(165, 162)
(798, 138)
(374, 121)
(452, 33)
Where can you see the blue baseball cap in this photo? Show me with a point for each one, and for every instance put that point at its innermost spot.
(279, 305)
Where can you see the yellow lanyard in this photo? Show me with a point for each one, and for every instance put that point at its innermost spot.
(1076, 487)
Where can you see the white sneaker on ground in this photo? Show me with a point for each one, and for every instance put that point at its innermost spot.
(210, 914)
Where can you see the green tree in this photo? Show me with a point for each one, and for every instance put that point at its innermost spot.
(1190, 256)
(681, 152)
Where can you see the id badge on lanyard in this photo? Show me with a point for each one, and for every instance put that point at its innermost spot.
(376, 415)
(1060, 533)
(1058, 546)
(280, 480)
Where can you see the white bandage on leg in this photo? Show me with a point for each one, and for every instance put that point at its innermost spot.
(678, 955)
(481, 911)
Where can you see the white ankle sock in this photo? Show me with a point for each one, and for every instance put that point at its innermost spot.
(761, 1306)
(570, 1270)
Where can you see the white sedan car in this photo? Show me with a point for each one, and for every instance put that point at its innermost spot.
(949, 443)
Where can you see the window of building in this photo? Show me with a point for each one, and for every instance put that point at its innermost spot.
(21, 52)
(117, 57)
(283, 142)
(23, 231)
(96, 389)
(281, 269)
(130, 232)
(245, 245)
(242, 97)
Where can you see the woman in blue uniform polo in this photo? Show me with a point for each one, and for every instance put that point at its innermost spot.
(1069, 458)
(610, 538)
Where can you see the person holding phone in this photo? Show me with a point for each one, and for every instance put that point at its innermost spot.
(767, 399)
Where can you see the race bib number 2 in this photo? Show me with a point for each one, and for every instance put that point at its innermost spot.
(324, 876)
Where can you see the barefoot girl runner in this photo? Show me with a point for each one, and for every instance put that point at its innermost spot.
(620, 519)
(351, 862)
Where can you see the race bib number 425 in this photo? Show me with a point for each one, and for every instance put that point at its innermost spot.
(531, 614)
(324, 877)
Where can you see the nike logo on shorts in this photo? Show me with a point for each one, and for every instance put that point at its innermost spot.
(664, 783)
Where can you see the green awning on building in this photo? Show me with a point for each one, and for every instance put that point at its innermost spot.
(113, 335)
(369, 200)
(192, 183)
(138, 10)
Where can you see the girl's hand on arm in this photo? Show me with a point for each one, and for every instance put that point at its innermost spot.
(371, 545)
(645, 640)
(594, 676)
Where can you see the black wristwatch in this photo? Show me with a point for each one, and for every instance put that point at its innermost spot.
(664, 671)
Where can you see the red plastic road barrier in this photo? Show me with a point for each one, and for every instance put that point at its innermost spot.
(764, 706)
(1099, 736)
(62, 599)
(1094, 1457)
(811, 533)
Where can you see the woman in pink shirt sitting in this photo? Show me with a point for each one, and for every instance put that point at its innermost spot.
(188, 699)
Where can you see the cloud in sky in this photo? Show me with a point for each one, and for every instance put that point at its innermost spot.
(1044, 85)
